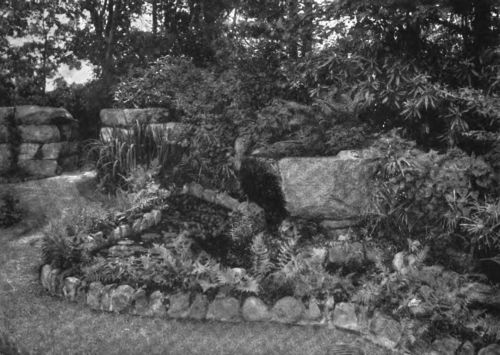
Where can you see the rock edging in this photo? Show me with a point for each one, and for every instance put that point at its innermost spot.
(381, 330)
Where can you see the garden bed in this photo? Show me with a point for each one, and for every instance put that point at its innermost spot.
(203, 255)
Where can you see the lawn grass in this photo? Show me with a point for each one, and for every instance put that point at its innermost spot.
(43, 324)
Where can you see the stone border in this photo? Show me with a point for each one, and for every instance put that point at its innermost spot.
(379, 329)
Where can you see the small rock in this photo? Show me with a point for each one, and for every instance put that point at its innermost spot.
(44, 276)
(224, 309)
(55, 286)
(126, 242)
(344, 317)
(446, 346)
(122, 231)
(312, 312)
(179, 305)
(156, 306)
(106, 297)
(209, 195)
(198, 309)
(94, 295)
(121, 298)
(398, 262)
(255, 310)
(140, 301)
(226, 201)
(466, 349)
(388, 331)
(70, 288)
(287, 310)
(492, 349)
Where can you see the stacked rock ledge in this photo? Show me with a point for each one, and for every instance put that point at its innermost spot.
(37, 141)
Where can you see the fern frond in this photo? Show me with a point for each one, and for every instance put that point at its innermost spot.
(285, 254)
(248, 284)
(261, 260)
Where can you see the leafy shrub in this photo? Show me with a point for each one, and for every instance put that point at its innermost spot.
(10, 213)
(482, 226)
(423, 196)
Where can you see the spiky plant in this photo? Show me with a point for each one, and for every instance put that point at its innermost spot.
(119, 153)
(483, 227)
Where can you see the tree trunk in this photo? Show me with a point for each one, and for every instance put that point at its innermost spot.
(308, 27)
(155, 16)
(107, 65)
(293, 8)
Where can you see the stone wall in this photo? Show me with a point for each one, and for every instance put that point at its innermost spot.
(159, 120)
(37, 141)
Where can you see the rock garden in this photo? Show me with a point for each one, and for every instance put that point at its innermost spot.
(317, 242)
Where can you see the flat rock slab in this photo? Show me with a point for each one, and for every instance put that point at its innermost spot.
(335, 188)
(39, 134)
(40, 168)
(39, 115)
(171, 132)
(128, 117)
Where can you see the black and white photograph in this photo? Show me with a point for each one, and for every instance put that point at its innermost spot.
(260, 177)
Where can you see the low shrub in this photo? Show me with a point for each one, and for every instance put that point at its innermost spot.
(10, 213)
(427, 196)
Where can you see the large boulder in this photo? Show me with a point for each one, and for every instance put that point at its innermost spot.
(335, 188)
(39, 134)
(42, 168)
(38, 115)
(28, 151)
(51, 150)
(6, 114)
(331, 187)
(128, 117)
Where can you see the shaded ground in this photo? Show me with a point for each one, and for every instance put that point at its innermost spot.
(48, 325)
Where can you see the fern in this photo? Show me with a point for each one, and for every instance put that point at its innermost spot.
(368, 294)
(286, 251)
(103, 270)
(261, 262)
